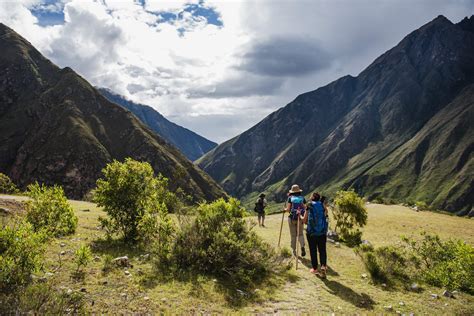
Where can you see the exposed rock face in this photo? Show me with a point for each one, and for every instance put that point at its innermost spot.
(192, 145)
(403, 128)
(56, 128)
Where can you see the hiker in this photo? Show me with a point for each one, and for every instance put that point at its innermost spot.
(316, 230)
(325, 205)
(296, 206)
(260, 209)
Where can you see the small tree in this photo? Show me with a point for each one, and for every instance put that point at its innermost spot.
(49, 210)
(82, 257)
(350, 214)
(129, 193)
(6, 185)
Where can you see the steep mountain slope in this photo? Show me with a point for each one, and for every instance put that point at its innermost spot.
(350, 132)
(56, 128)
(189, 143)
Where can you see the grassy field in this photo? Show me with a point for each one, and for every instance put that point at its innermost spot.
(344, 291)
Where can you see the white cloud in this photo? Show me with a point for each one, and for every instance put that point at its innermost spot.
(220, 79)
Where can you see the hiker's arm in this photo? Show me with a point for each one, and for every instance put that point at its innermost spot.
(288, 207)
(305, 218)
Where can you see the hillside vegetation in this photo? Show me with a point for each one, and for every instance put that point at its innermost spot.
(109, 289)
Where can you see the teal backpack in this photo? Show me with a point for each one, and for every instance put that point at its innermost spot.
(297, 204)
(317, 222)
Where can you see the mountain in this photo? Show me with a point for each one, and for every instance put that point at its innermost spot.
(56, 128)
(189, 143)
(402, 129)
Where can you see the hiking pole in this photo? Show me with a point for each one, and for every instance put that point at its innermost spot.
(297, 235)
(281, 226)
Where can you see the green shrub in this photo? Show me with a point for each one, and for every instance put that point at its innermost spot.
(42, 299)
(21, 251)
(6, 185)
(219, 243)
(49, 210)
(349, 213)
(421, 206)
(82, 257)
(129, 194)
(448, 264)
(108, 264)
(386, 264)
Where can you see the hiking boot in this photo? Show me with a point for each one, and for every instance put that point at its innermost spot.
(263, 225)
(303, 252)
(323, 272)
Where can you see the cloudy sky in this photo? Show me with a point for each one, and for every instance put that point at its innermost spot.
(219, 67)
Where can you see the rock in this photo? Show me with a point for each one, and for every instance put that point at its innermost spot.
(5, 210)
(83, 290)
(122, 261)
(62, 244)
(69, 291)
(435, 296)
(388, 307)
(338, 245)
(164, 299)
(123, 295)
(86, 210)
(96, 258)
(446, 304)
(471, 213)
(333, 235)
(366, 242)
(449, 294)
(401, 303)
(104, 282)
(145, 257)
(48, 274)
(398, 312)
(384, 285)
(415, 287)
(127, 272)
(331, 240)
(363, 275)
(146, 298)
(62, 253)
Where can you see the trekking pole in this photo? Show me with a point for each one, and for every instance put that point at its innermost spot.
(281, 226)
(297, 235)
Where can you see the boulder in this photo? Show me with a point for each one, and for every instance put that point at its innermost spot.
(333, 235)
(122, 261)
(449, 294)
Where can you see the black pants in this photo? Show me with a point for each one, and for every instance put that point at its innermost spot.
(317, 244)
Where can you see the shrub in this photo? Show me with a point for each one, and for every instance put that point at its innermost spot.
(42, 299)
(421, 206)
(21, 250)
(129, 193)
(385, 264)
(6, 185)
(349, 213)
(449, 264)
(49, 210)
(82, 257)
(219, 243)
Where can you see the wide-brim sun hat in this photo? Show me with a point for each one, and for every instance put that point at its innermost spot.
(295, 189)
(262, 195)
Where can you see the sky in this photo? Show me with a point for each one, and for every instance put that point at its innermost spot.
(219, 67)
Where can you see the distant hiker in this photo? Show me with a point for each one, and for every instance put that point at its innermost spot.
(316, 230)
(296, 205)
(260, 209)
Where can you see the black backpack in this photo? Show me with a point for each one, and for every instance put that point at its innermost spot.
(259, 206)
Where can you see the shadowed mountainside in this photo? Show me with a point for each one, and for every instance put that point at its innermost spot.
(402, 129)
(189, 143)
(56, 128)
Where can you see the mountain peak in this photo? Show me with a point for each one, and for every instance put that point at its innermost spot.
(467, 24)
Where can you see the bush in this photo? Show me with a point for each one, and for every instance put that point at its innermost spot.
(49, 210)
(6, 185)
(219, 243)
(349, 213)
(82, 257)
(448, 264)
(42, 299)
(129, 194)
(421, 206)
(21, 251)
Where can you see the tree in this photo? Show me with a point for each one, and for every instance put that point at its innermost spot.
(350, 214)
(130, 194)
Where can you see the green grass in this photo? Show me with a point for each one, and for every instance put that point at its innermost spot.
(343, 292)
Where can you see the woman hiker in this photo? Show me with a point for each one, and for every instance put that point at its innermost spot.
(260, 209)
(296, 205)
(316, 230)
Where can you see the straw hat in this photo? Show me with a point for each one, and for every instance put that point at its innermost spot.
(295, 189)
(262, 195)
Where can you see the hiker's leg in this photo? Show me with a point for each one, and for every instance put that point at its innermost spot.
(301, 236)
(292, 226)
(259, 216)
(312, 251)
(322, 250)
(263, 219)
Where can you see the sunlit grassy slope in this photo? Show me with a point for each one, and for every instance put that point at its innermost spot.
(344, 292)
